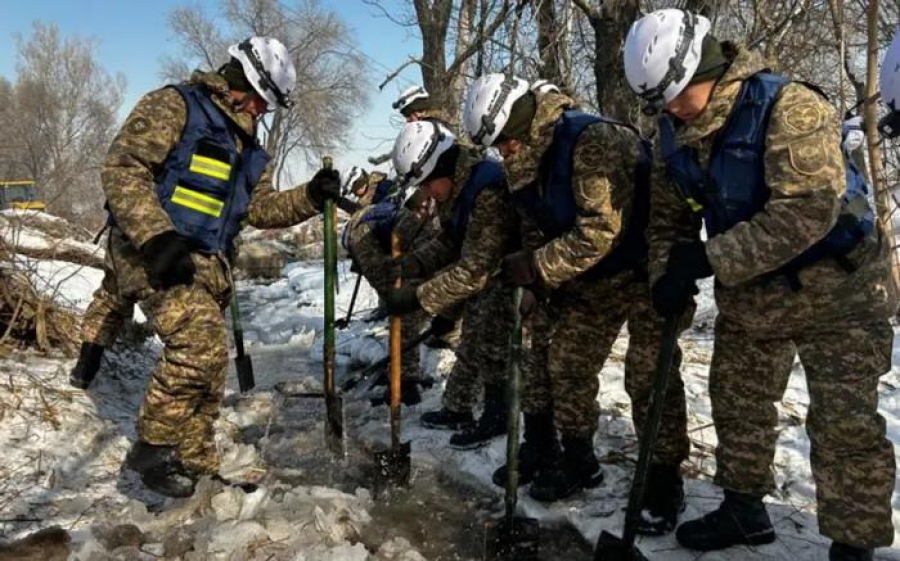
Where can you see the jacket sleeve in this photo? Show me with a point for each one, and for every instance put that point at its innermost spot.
(804, 170)
(601, 198)
(279, 209)
(490, 228)
(136, 158)
(671, 220)
(436, 253)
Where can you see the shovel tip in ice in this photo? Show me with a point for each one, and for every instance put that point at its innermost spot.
(614, 548)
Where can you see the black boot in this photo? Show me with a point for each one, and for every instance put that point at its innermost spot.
(491, 424)
(663, 500)
(539, 445)
(161, 469)
(844, 552)
(87, 366)
(740, 520)
(577, 468)
(444, 419)
(409, 394)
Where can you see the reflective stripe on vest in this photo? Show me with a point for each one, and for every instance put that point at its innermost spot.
(197, 201)
(733, 189)
(210, 167)
(551, 202)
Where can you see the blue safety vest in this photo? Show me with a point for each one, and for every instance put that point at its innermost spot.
(205, 184)
(486, 173)
(382, 190)
(382, 218)
(550, 202)
(734, 188)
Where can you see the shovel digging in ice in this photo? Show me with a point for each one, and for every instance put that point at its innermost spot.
(610, 547)
(513, 537)
(243, 365)
(334, 404)
(394, 464)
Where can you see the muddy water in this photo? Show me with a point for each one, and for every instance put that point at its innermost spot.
(441, 517)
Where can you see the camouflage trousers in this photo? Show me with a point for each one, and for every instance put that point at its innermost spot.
(107, 314)
(852, 461)
(482, 355)
(571, 341)
(183, 396)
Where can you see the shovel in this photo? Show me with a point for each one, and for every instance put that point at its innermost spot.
(242, 362)
(343, 323)
(513, 537)
(394, 464)
(334, 404)
(609, 547)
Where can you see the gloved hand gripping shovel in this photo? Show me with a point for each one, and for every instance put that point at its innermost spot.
(609, 547)
(334, 403)
(242, 362)
(513, 537)
(394, 464)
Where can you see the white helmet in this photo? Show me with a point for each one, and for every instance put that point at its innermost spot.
(408, 96)
(417, 149)
(662, 53)
(488, 105)
(852, 134)
(889, 83)
(268, 67)
(350, 178)
(544, 87)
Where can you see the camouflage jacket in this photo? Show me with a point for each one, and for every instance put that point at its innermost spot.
(138, 152)
(602, 183)
(804, 170)
(490, 230)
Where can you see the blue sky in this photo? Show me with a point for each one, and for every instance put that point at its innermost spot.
(133, 37)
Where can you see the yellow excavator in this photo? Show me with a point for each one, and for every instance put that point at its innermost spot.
(20, 195)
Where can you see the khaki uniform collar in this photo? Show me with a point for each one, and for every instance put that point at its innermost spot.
(745, 63)
(221, 96)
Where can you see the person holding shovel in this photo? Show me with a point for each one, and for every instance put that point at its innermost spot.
(581, 185)
(368, 240)
(182, 176)
(801, 266)
(477, 228)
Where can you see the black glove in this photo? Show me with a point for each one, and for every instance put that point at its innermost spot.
(519, 268)
(400, 301)
(672, 296)
(325, 185)
(168, 260)
(688, 260)
(441, 326)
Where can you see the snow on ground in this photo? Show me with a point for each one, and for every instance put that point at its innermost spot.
(792, 508)
(63, 451)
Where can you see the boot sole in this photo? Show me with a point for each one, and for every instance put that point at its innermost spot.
(753, 540)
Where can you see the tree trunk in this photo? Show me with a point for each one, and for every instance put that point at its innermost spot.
(464, 27)
(615, 98)
(549, 39)
(882, 194)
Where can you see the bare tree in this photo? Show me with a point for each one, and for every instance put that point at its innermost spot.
(332, 78)
(57, 120)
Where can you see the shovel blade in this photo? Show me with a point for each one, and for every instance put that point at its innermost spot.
(334, 424)
(244, 367)
(394, 465)
(614, 548)
(519, 541)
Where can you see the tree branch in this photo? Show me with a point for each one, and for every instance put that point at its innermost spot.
(401, 68)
